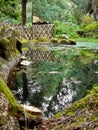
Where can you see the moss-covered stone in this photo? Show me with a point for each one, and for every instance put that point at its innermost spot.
(9, 42)
(4, 45)
(64, 41)
(72, 42)
(43, 39)
(6, 91)
(8, 109)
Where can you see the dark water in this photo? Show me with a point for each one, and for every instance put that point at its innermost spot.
(55, 83)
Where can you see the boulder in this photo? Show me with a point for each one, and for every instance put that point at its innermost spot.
(32, 110)
(9, 42)
(64, 41)
(72, 42)
(4, 45)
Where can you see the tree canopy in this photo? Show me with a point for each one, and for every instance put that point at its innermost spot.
(9, 9)
(50, 10)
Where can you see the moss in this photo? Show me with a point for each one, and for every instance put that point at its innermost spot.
(14, 106)
(64, 41)
(59, 114)
(1, 120)
(43, 39)
(72, 42)
(24, 41)
(54, 40)
(34, 41)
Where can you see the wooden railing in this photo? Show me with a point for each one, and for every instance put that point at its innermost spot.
(33, 32)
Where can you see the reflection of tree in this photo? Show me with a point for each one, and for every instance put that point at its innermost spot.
(25, 87)
(37, 99)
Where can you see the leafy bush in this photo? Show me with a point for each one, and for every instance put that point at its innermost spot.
(86, 20)
(91, 27)
(90, 30)
(67, 28)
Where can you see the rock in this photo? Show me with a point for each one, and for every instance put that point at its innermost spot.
(36, 19)
(54, 72)
(4, 45)
(32, 110)
(25, 62)
(64, 36)
(9, 42)
(23, 57)
(72, 42)
(64, 41)
(19, 45)
(54, 40)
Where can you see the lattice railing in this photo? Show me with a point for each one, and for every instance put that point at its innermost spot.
(42, 55)
(43, 30)
(34, 32)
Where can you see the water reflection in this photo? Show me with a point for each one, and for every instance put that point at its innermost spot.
(54, 85)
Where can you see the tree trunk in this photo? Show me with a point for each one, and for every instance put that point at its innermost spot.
(95, 9)
(24, 12)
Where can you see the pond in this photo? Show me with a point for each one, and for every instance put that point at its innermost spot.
(91, 45)
(56, 76)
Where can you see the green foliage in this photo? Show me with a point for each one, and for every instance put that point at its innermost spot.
(86, 20)
(91, 27)
(90, 30)
(9, 10)
(53, 10)
(66, 28)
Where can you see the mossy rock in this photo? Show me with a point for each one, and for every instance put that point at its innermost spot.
(4, 45)
(35, 41)
(9, 42)
(64, 41)
(42, 39)
(14, 106)
(54, 40)
(24, 41)
(72, 42)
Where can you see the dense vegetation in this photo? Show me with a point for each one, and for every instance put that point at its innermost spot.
(9, 11)
(75, 17)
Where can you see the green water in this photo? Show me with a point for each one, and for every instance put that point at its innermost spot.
(56, 83)
(92, 45)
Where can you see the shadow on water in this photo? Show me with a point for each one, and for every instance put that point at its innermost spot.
(53, 85)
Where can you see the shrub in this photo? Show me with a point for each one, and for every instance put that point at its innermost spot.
(91, 27)
(86, 20)
(66, 28)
